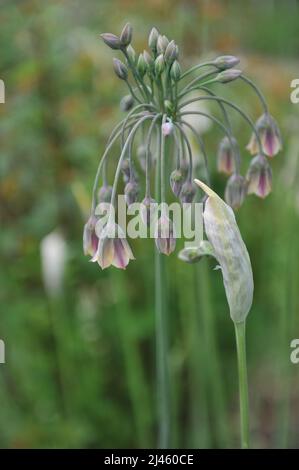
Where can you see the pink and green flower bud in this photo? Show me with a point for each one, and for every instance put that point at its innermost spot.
(235, 191)
(259, 177)
(120, 69)
(175, 71)
(126, 103)
(90, 239)
(187, 192)
(113, 249)
(141, 66)
(167, 128)
(269, 134)
(105, 193)
(228, 75)
(165, 235)
(225, 158)
(131, 54)
(111, 40)
(162, 44)
(171, 53)
(131, 192)
(159, 65)
(148, 210)
(126, 35)
(225, 62)
(153, 39)
(177, 179)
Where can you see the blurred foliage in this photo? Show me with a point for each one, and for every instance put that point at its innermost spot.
(80, 370)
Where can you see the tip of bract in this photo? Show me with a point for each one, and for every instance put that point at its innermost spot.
(205, 188)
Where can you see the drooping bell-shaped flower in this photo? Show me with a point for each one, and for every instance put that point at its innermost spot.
(269, 134)
(259, 177)
(90, 239)
(113, 248)
(165, 235)
(235, 191)
(225, 157)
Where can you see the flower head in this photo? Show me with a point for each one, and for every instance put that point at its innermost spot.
(113, 249)
(269, 134)
(235, 191)
(225, 160)
(259, 177)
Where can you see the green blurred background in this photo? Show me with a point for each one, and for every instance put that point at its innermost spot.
(80, 369)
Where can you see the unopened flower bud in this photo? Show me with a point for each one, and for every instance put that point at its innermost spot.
(167, 128)
(148, 60)
(225, 159)
(120, 69)
(269, 134)
(175, 71)
(104, 194)
(228, 75)
(159, 64)
(141, 65)
(226, 62)
(259, 177)
(126, 35)
(165, 235)
(131, 54)
(127, 103)
(187, 192)
(131, 192)
(111, 40)
(176, 181)
(148, 210)
(171, 52)
(152, 39)
(235, 191)
(162, 44)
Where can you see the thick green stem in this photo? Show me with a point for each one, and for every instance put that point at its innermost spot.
(162, 369)
(243, 383)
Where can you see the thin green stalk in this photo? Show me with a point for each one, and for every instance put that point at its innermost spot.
(215, 384)
(243, 383)
(162, 369)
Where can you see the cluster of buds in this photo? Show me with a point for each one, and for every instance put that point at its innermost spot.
(155, 135)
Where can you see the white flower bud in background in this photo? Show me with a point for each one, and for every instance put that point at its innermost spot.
(53, 252)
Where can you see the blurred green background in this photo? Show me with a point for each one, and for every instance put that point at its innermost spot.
(80, 369)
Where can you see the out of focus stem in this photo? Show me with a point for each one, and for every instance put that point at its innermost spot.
(243, 383)
(162, 369)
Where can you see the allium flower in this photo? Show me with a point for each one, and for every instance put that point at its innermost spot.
(226, 158)
(259, 177)
(235, 191)
(113, 249)
(269, 134)
(90, 239)
(165, 235)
